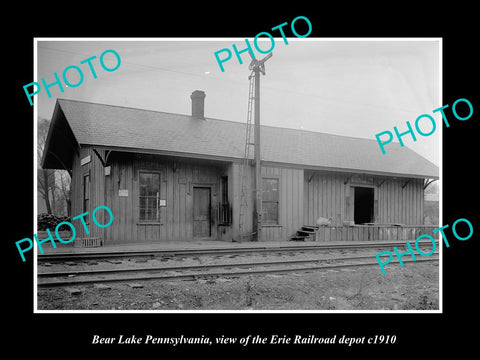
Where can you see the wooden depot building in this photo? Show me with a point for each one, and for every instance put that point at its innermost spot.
(173, 177)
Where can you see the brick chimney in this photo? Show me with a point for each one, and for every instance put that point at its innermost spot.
(198, 104)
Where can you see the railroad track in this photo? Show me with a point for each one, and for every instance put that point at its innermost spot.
(58, 256)
(192, 272)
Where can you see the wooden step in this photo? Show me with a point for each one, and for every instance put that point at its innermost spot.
(305, 233)
(297, 238)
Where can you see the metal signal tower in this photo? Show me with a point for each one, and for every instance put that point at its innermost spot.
(257, 67)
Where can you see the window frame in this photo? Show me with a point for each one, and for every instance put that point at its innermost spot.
(275, 222)
(155, 199)
(224, 210)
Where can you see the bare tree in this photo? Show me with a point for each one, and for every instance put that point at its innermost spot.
(53, 185)
(64, 187)
(45, 177)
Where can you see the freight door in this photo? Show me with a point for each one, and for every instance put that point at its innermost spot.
(363, 205)
(201, 212)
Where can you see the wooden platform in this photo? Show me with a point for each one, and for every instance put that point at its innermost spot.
(373, 232)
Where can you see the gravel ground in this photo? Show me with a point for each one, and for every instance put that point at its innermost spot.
(413, 287)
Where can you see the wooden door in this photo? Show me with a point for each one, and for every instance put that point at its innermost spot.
(201, 212)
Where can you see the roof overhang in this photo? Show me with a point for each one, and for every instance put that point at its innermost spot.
(61, 144)
(264, 162)
(224, 159)
(351, 171)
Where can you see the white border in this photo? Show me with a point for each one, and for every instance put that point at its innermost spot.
(35, 178)
(35, 110)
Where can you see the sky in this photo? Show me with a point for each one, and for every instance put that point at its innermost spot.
(347, 87)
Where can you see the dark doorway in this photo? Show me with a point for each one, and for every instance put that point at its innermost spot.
(201, 212)
(363, 205)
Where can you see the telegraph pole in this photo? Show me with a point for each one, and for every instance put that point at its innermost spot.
(257, 67)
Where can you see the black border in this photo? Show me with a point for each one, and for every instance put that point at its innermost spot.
(67, 334)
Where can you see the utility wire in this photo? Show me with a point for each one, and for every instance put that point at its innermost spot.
(210, 77)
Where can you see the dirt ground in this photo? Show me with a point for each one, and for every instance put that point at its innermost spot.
(413, 287)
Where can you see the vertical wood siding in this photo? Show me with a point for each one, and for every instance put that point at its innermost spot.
(397, 205)
(176, 187)
(177, 179)
(96, 171)
(290, 212)
(304, 196)
(326, 195)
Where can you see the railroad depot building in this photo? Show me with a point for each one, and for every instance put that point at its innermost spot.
(173, 177)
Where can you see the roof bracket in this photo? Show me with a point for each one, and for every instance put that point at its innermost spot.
(107, 153)
(310, 178)
(381, 183)
(348, 179)
(428, 182)
(405, 184)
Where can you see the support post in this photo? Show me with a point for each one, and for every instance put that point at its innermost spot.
(257, 226)
(258, 67)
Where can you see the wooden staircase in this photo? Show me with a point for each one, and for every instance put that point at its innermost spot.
(307, 232)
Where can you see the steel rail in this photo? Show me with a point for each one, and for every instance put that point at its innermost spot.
(153, 273)
(186, 267)
(212, 251)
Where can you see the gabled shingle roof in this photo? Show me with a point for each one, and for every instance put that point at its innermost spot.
(154, 131)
